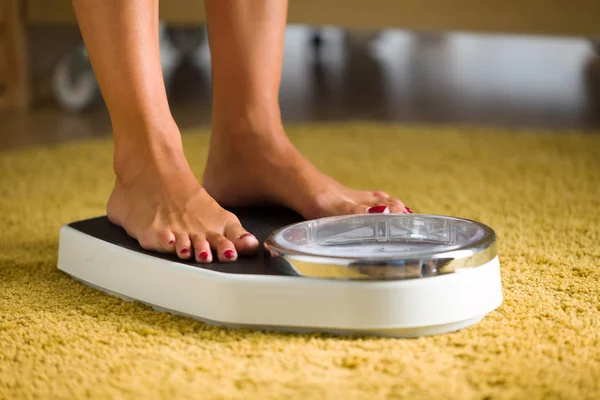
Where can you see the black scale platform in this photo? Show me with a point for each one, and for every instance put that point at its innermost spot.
(259, 221)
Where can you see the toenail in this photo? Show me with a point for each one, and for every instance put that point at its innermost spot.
(245, 235)
(378, 210)
(203, 254)
(184, 251)
(229, 253)
(409, 210)
(171, 242)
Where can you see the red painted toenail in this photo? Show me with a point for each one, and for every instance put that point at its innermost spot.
(171, 242)
(378, 210)
(203, 254)
(184, 251)
(409, 210)
(229, 253)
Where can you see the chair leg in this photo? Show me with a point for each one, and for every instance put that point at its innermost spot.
(14, 73)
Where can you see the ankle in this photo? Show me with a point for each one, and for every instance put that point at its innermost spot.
(155, 151)
(247, 121)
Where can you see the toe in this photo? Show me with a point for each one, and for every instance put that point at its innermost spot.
(395, 205)
(349, 208)
(155, 240)
(378, 210)
(223, 247)
(381, 195)
(244, 242)
(202, 252)
(166, 240)
(183, 246)
(367, 197)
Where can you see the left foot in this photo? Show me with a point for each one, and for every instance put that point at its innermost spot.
(257, 169)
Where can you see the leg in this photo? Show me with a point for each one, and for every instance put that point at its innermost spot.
(156, 198)
(246, 42)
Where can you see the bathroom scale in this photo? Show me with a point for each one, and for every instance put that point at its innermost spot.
(398, 275)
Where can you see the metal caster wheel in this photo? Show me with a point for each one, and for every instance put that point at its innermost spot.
(73, 82)
(317, 40)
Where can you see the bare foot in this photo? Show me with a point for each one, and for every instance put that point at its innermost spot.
(246, 168)
(159, 202)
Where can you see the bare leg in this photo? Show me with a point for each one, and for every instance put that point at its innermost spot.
(156, 197)
(246, 41)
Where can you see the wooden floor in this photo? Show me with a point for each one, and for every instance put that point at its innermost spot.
(521, 82)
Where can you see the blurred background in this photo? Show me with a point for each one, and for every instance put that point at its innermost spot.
(533, 65)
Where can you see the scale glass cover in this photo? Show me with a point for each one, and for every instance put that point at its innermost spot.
(381, 246)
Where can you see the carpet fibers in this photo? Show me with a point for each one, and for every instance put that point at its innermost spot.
(540, 191)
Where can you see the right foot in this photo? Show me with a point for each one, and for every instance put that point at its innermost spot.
(159, 202)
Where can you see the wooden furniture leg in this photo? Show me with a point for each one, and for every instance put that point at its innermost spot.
(14, 71)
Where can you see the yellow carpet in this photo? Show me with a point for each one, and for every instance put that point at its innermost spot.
(539, 191)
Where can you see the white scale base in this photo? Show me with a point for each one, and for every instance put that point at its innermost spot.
(402, 308)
